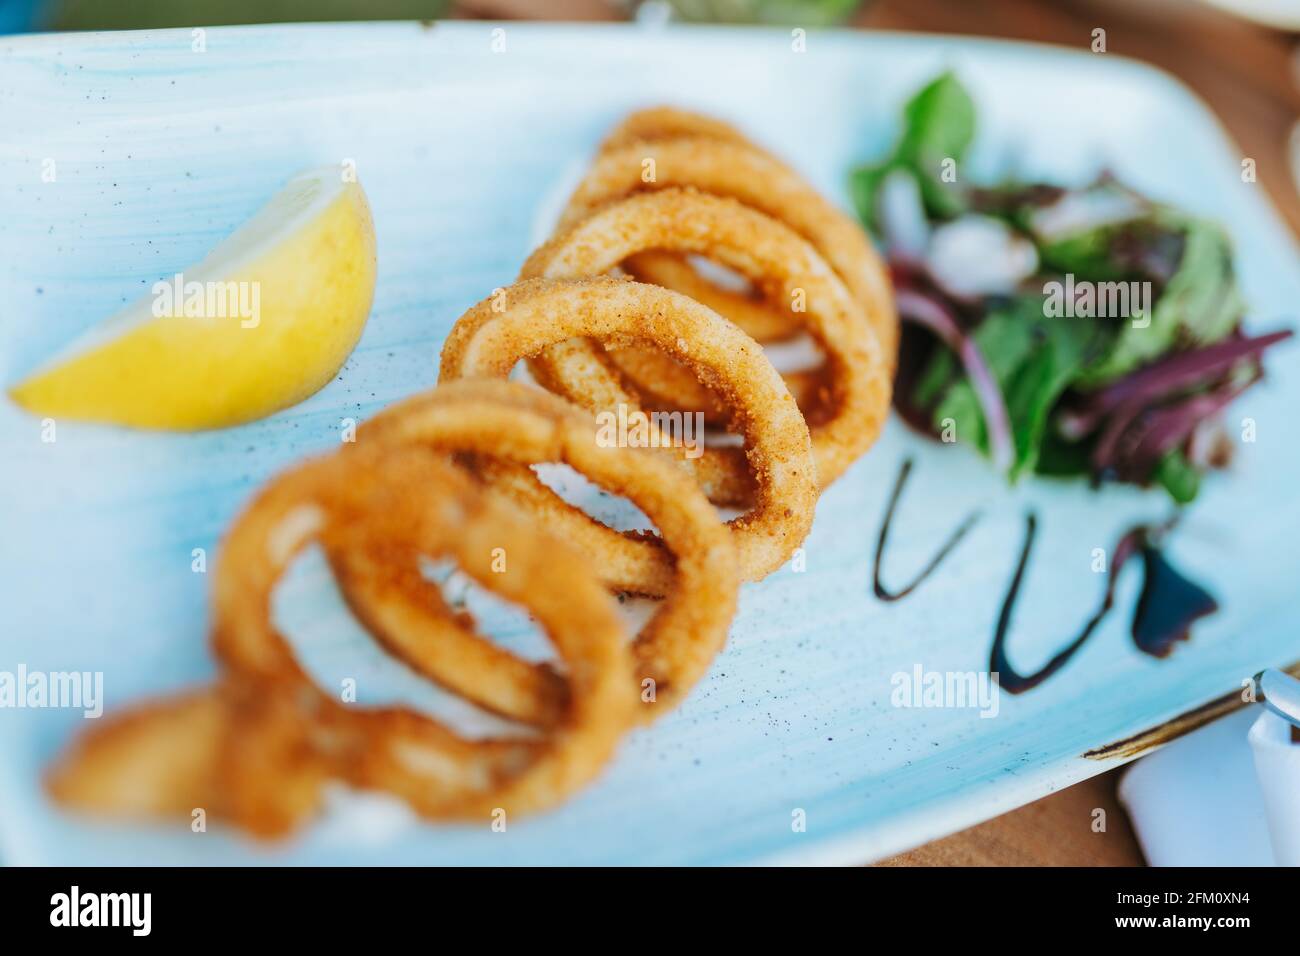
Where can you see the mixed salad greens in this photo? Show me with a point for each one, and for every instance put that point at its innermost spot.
(1087, 331)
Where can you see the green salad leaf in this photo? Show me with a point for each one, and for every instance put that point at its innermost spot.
(938, 125)
(1199, 305)
(864, 189)
(1178, 476)
(1086, 255)
(1069, 374)
(938, 122)
(1034, 360)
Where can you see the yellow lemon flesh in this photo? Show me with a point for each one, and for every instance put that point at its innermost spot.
(260, 324)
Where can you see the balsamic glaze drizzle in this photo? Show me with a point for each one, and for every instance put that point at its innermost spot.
(953, 540)
(1011, 680)
(1168, 604)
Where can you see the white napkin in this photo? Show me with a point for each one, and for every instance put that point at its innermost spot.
(1277, 769)
(1197, 801)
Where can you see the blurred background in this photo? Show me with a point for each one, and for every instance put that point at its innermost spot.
(1239, 56)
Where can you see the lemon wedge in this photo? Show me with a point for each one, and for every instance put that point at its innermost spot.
(260, 324)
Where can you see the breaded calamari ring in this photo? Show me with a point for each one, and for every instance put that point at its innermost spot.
(748, 310)
(755, 315)
(406, 497)
(228, 749)
(740, 171)
(654, 123)
(754, 245)
(408, 615)
(257, 747)
(157, 759)
(526, 318)
(661, 383)
(692, 562)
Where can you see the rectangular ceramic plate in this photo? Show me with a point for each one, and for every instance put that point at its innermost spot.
(161, 151)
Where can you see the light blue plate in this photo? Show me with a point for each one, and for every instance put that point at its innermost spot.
(160, 151)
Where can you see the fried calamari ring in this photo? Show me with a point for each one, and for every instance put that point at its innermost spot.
(722, 473)
(661, 383)
(765, 317)
(754, 245)
(256, 748)
(408, 615)
(656, 123)
(404, 497)
(740, 171)
(756, 316)
(655, 376)
(162, 758)
(693, 560)
(765, 322)
(489, 339)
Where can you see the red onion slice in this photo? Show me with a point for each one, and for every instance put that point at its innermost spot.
(932, 314)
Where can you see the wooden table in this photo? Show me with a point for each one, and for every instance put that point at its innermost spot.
(1247, 76)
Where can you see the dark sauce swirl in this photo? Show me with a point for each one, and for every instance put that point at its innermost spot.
(953, 540)
(1167, 606)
